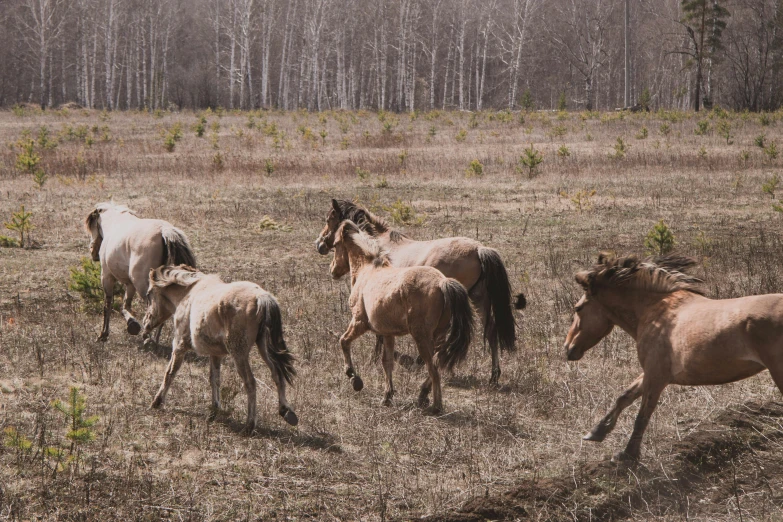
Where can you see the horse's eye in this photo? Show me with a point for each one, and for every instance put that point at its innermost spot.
(578, 308)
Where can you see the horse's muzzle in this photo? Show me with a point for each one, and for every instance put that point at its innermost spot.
(573, 353)
(321, 246)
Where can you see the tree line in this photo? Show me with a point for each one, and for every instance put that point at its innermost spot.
(399, 55)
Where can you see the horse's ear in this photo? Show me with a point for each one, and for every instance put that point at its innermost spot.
(336, 207)
(606, 257)
(584, 278)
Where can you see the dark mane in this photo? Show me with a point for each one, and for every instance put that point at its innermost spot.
(366, 220)
(663, 274)
(368, 244)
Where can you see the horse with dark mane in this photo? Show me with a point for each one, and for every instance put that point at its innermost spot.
(682, 337)
(128, 247)
(478, 268)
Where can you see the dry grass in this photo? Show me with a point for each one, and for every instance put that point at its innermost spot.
(350, 458)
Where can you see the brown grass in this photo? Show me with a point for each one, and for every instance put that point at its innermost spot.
(350, 458)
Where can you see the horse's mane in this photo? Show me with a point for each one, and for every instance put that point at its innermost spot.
(93, 216)
(180, 275)
(368, 244)
(662, 274)
(366, 220)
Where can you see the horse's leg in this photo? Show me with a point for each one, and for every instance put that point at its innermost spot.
(177, 357)
(284, 408)
(133, 325)
(107, 282)
(388, 368)
(603, 428)
(157, 335)
(426, 347)
(355, 329)
(214, 381)
(651, 392)
(243, 368)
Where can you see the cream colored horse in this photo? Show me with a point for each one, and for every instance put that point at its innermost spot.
(478, 268)
(681, 336)
(128, 247)
(217, 319)
(391, 301)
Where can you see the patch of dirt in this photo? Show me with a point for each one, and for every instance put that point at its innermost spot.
(735, 455)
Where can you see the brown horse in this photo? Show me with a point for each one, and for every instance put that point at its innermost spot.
(681, 336)
(127, 248)
(478, 268)
(217, 319)
(392, 301)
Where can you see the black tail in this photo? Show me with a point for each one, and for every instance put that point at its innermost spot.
(460, 332)
(500, 326)
(282, 359)
(176, 248)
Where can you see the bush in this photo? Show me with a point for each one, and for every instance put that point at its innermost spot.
(475, 168)
(531, 159)
(403, 214)
(660, 239)
(85, 280)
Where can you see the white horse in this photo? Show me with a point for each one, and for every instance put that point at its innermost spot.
(219, 319)
(127, 248)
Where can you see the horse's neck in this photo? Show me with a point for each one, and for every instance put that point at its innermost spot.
(358, 260)
(178, 293)
(631, 310)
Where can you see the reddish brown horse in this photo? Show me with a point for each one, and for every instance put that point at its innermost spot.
(478, 268)
(681, 336)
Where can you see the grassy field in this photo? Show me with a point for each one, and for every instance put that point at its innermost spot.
(252, 194)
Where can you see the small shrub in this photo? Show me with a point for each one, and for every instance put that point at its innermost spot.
(702, 152)
(21, 223)
(382, 183)
(461, 135)
(771, 151)
(432, 131)
(581, 199)
(362, 174)
(323, 135)
(620, 149)
(563, 152)
(724, 130)
(526, 102)
(764, 119)
(269, 166)
(85, 280)
(665, 129)
(558, 131)
(475, 168)
(702, 128)
(760, 141)
(267, 223)
(531, 159)
(644, 99)
(660, 239)
(218, 161)
(201, 126)
(8, 242)
(403, 214)
(642, 134)
(771, 185)
(561, 102)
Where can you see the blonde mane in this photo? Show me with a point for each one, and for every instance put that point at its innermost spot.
(369, 246)
(664, 274)
(180, 275)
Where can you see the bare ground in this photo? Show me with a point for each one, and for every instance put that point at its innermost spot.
(508, 452)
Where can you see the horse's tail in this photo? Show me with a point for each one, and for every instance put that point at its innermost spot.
(460, 331)
(500, 326)
(176, 248)
(282, 360)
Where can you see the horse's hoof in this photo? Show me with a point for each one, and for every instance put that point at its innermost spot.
(595, 436)
(134, 327)
(387, 401)
(249, 428)
(424, 401)
(357, 383)
(102, 338)
(433, 410)
(156, 403)
(626, 458)
(290, 417)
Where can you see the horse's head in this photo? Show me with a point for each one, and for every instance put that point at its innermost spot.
(341, 264)
(92, 224)
(591, 322)
(159, 307)
(325, 241)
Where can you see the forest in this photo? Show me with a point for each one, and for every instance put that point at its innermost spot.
(398, 55)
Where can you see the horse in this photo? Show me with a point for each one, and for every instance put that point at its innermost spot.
(127, 248)
(217, 319)
(682, 337)
(392, 301)
(478, 268)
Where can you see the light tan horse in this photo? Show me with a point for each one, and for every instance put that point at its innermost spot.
(478, 268)
(217, 319)
(128, 247)
(391, 301)
(681, 336)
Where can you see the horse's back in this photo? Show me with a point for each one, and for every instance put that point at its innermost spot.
(455, 257)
